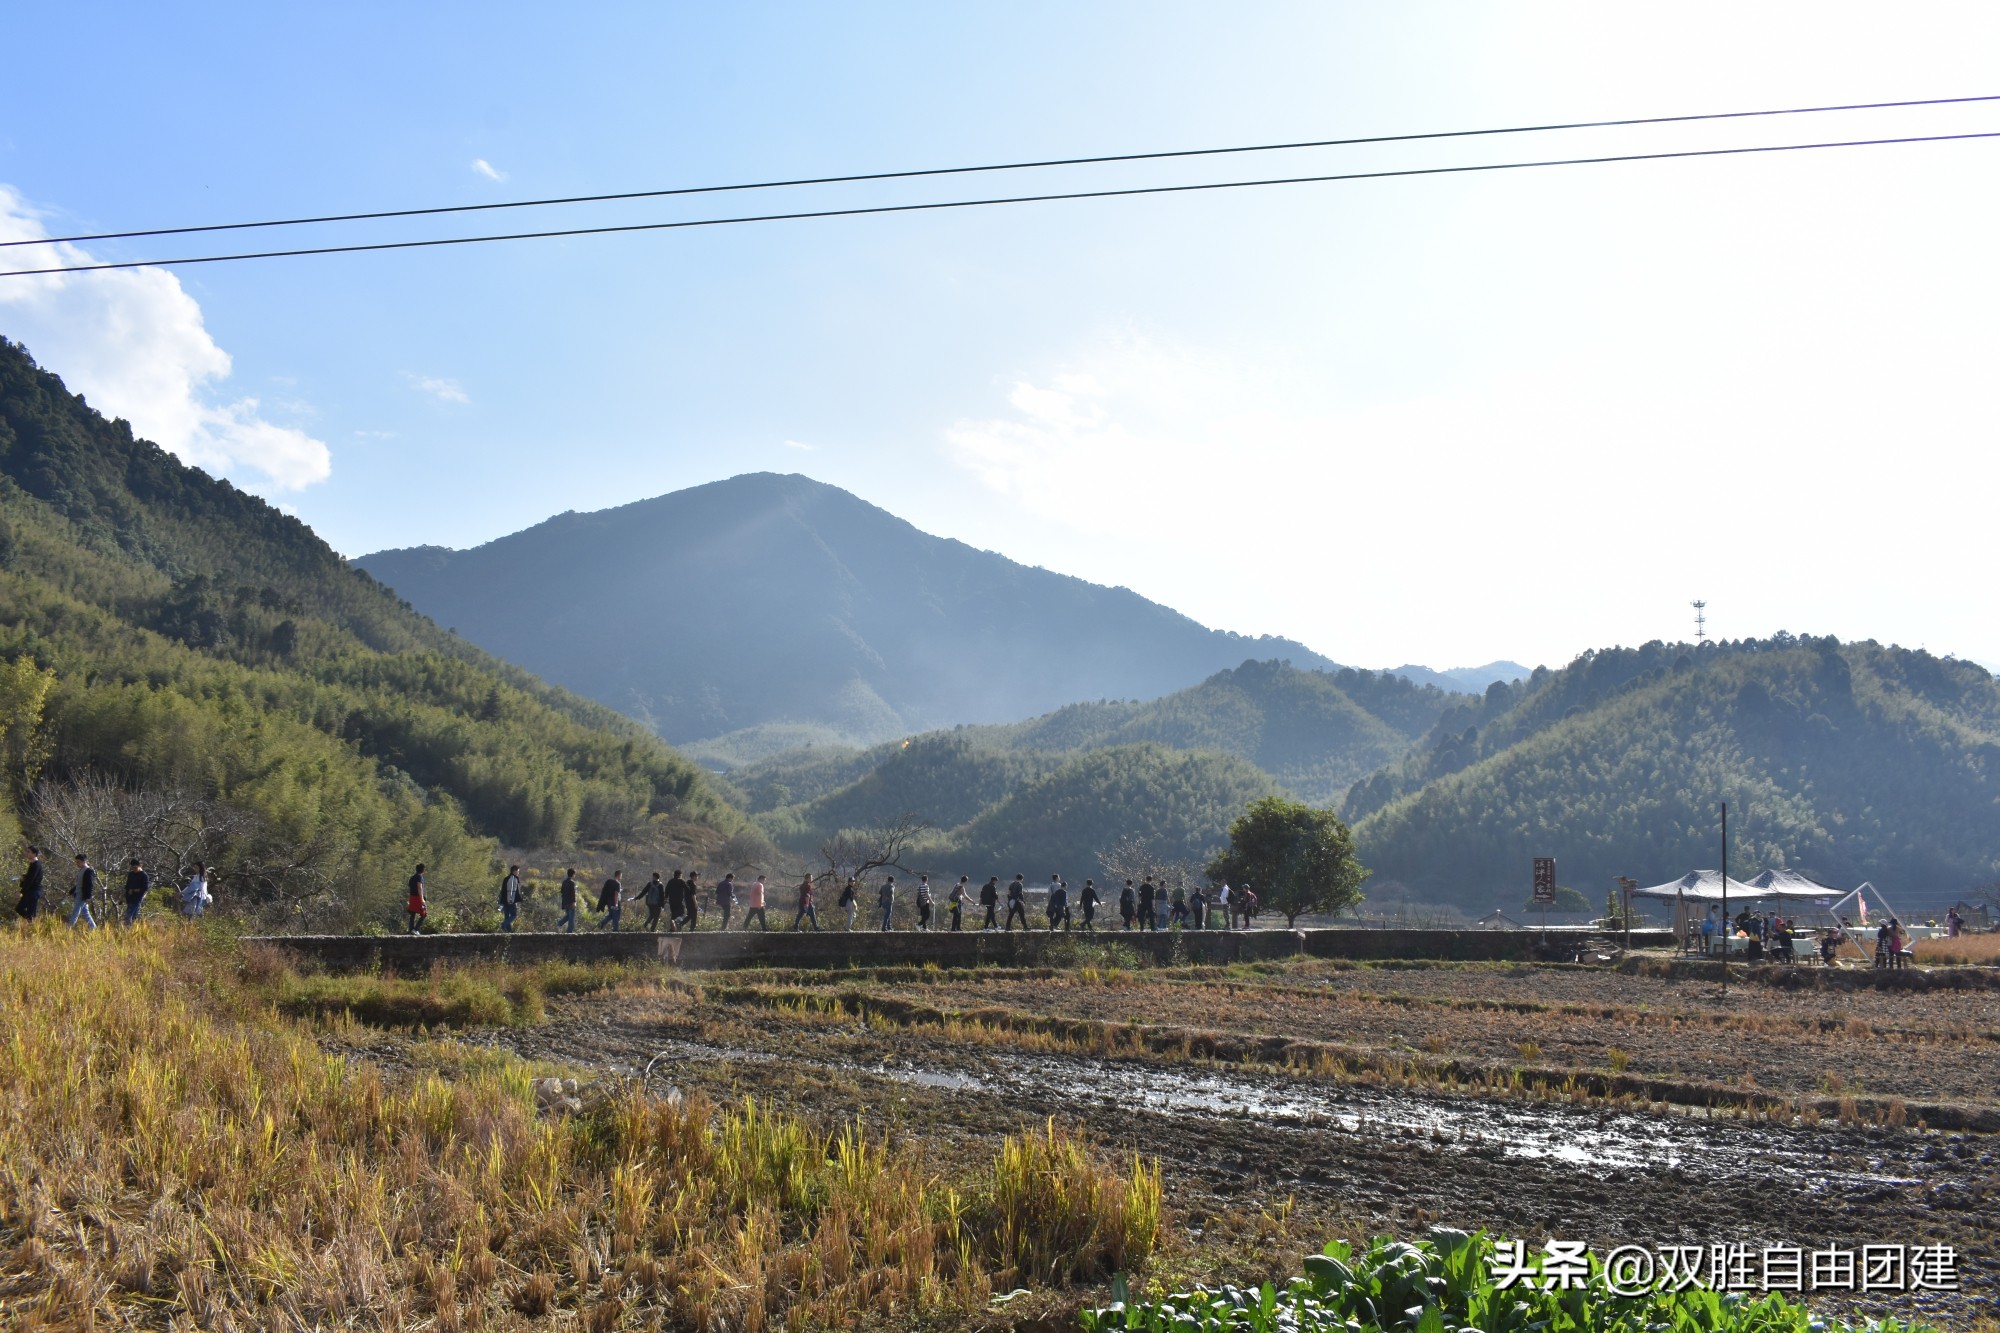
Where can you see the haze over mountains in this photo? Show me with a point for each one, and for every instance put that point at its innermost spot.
(196, 641)
(779, 601)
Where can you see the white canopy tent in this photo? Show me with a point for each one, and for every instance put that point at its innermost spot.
(1698, 886)
(1706, 888)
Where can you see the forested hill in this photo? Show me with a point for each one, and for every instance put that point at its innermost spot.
(1849, 761)
(203, 642)
(1089, 775)
(770, 601)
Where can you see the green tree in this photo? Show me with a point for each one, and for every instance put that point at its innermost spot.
(1297, 858)
(1567, 900)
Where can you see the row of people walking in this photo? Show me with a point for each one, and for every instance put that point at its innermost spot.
(191, 897)
(678, 902)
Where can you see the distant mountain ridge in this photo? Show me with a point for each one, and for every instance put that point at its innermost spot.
(1462, 680)
(776, 601)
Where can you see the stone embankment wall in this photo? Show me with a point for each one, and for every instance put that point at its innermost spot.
(839, 948)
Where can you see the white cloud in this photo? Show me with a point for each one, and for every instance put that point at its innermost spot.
(133, 343)
(444, 390)
(488, 170)
(800, 445)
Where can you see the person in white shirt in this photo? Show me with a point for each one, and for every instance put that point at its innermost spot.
(194, 894)
(1222, 901)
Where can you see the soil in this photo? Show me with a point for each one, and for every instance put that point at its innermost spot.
(1261, 1162)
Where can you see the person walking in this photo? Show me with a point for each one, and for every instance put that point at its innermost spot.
(1146, 894)
(725, 897)
(959, 893)
(989, 898)
(566, 895)
(1087, 900)
(806, 910)
(1246, 905)
(694, 900)
(850, 900)
(1178, 913)
(1017, 903)
(1057, 908)
(1128, 905)
(31, 886)
(194, 894)
(756, 907)
(611, 901)
(1198, 908)
(510, 898)
(653, 894)
(1222, 901)
(137, 885)
(886, 897)
(417, 907)
(1952, 920)
(675, 895)
(923, 902)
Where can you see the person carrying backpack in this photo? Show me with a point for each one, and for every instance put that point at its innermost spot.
(510, 898)
(653, 894)
(611, 901)
(137, 885)
(1017, 903)
(1087, 900)
(31, 886)
(989, 898)
(418, 909)
(567, 897)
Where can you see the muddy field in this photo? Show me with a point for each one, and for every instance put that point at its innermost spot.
(1823, 1144)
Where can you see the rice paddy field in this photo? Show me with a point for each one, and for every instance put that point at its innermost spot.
(200, 1134)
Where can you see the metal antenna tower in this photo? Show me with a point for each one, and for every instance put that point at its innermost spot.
(1700, 622)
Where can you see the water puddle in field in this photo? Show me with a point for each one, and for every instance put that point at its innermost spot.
(1589, 1140)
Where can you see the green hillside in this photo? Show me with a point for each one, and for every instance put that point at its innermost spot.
(1179, 801)
(1260, 727)
(205, 644)
(1848, 761)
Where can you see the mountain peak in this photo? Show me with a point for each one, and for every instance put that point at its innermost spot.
(770, 598)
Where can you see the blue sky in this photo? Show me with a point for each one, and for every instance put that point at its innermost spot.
(1440, 420)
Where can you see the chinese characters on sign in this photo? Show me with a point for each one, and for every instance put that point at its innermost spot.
(1545, 880)
(1634, 1270)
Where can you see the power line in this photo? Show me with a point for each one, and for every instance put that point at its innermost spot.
(986, 203)
(1001, 166)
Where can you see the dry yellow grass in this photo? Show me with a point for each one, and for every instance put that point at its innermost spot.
(174, 1153)
(1944, 952)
